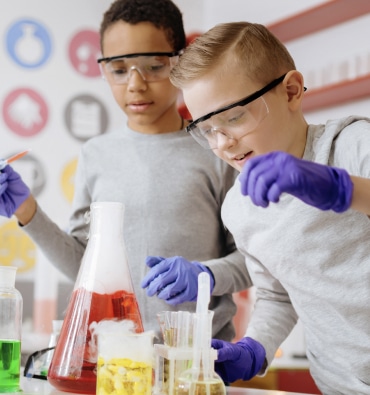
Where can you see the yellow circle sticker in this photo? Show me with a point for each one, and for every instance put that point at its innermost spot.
(67, 180)
(16, 248)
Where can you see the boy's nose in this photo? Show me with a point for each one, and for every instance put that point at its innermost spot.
(135, 78)
(223, 140)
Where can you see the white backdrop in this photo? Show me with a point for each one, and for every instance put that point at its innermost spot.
(53, 99)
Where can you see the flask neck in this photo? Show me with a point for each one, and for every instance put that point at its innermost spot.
(7, 276)
(107, 219)
(104, 267)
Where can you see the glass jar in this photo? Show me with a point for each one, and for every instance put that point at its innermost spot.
(11, 309)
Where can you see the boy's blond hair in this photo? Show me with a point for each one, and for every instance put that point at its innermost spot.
(250, 46)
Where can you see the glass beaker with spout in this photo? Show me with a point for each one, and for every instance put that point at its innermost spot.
(103, 290)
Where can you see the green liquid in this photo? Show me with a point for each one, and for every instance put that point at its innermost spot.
(10, 362)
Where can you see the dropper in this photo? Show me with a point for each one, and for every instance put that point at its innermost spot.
(202, 339)
(206, 324)
(4, 162)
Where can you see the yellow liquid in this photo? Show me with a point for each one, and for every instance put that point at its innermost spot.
(211, 387)
(170, 338)
(121, 376)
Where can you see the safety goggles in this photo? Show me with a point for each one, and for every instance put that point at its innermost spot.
(37, 364)
(152, 66)
(233, 121)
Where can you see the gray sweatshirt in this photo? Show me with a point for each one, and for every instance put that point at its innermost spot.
(172, 190)
(314, 265)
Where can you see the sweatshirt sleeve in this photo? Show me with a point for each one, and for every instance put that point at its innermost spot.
(63, 250)
(229, 271)
(273, 316)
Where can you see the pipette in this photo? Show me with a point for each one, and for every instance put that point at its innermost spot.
(201, 346)
(4, 162)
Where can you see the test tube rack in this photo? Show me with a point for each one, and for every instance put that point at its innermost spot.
(170, 362)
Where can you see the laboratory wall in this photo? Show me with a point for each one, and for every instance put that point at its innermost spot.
(53, 99)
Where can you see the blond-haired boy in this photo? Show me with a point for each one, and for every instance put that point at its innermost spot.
(299, 211)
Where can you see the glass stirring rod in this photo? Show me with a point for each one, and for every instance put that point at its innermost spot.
(4, 162)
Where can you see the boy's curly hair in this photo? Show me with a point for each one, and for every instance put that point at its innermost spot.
(163, 14)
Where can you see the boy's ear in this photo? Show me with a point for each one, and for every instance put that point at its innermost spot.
(294, 86)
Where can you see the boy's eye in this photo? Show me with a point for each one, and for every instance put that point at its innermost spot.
(236, 117)
(155, 64)
(155, 67)
(118, 68)
(119, 71)
(205, 129)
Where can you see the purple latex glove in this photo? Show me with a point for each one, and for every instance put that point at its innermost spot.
(174, 279)
(264, 178)
(13, 191)
(239, 361)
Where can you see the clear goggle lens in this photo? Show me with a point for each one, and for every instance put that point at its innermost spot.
(234, 123)
(150, 68)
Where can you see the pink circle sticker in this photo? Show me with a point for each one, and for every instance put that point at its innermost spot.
(25, 112)
(84, 50)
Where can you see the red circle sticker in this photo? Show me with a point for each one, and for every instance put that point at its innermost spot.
(84, 50)
(25, 112)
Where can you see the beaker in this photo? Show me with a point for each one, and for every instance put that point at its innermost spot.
(176, 354)
(125, 360)
(176, 328)
(103, 290)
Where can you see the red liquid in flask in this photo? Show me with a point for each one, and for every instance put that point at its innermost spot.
(73, 368)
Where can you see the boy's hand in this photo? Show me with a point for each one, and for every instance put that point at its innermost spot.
(13, 191)
(173, 279)
(242, 360)
(264, 178)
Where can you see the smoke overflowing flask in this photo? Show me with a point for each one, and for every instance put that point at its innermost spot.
(11, 310)
(103, 290)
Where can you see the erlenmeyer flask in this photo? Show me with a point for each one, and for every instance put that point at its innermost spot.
(103, 290)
